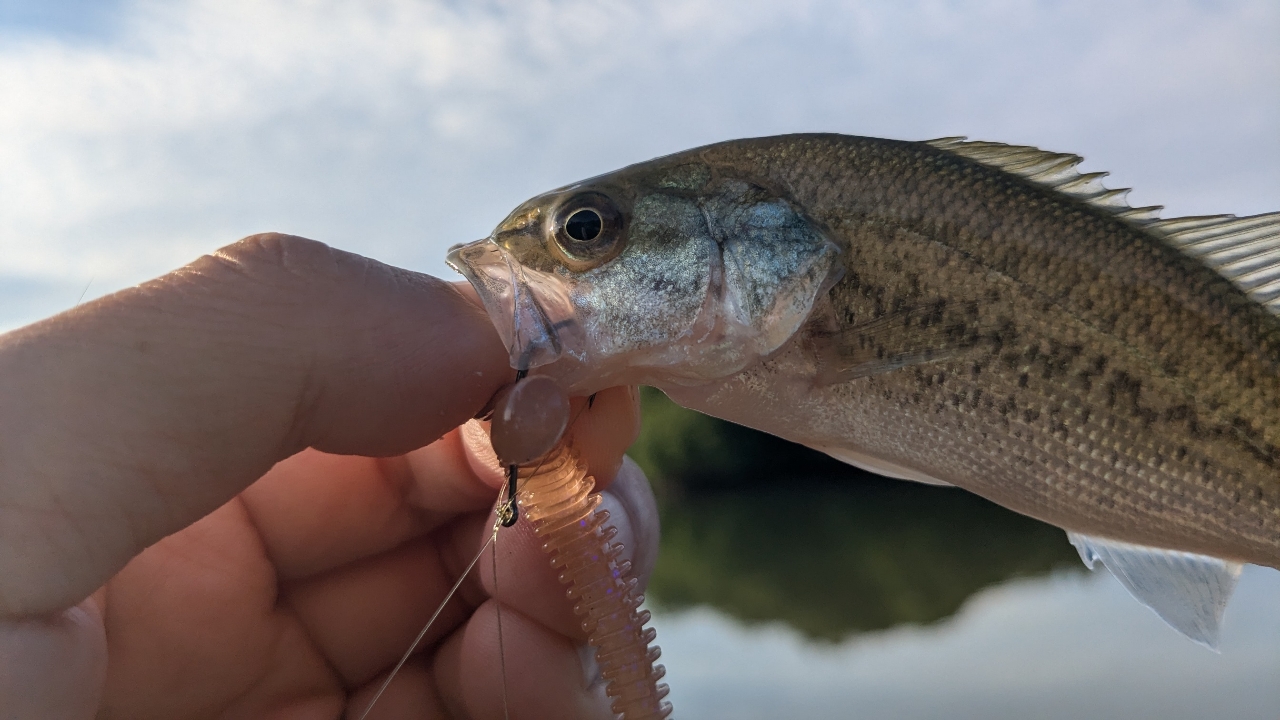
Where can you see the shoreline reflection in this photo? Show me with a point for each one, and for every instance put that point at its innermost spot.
(833, 558)
(763, 529)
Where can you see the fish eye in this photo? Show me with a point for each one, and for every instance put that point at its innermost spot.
(584, 225)
(587, 230)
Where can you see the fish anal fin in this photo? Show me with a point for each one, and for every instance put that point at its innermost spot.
(1188, 591)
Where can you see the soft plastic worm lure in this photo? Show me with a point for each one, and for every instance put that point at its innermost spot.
(556, 495)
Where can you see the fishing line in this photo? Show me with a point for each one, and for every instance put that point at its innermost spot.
(497, 607)
(513, 470)
(506, 515)
(83, 292)
(421, 634)
(513, 513)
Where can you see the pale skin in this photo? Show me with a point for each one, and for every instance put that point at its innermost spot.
(239, 490)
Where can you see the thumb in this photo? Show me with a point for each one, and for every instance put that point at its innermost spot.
(126, 419)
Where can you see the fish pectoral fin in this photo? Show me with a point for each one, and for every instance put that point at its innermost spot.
(910, 336)
(1188, 591)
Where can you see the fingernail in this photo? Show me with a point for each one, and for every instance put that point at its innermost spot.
(54, 667)
(592, 681)
(478, 450)
(634, 511)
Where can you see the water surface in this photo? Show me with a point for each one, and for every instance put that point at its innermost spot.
(1068, 646)
(790, 585)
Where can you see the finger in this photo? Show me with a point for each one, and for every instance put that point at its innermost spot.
(351, 538)
(411, 695)
(334, 526)
(130, 417)
(363, 617)
(195, 629)
(604, 427)
(545, 676)
(316, 511)
(633, 509)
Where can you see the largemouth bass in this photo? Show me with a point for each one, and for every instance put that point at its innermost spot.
(964, 313)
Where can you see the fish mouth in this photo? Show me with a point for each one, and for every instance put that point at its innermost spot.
(532, 310)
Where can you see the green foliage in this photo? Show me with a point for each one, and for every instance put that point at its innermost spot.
(766, 530)
(686, 451)
(832, 560)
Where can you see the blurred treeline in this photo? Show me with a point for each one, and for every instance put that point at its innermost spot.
(764, 529)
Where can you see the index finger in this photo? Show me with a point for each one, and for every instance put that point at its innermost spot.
(127, 419)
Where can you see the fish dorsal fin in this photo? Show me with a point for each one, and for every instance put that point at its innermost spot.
(1186, 590)
(1244, 250)
(1056, 171)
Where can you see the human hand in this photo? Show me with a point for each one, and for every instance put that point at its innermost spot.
(130, 429)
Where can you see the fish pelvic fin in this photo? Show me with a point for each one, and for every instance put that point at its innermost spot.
(1188, 591)
(1244, 250)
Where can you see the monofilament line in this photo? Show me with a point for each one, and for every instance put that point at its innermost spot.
(497, 607)
(423, 633)
(83, 292)
(502, 510)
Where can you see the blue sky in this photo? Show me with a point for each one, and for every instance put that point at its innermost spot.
(79, 19)
(136, 136)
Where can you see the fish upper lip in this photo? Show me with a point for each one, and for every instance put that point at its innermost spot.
(531, 310)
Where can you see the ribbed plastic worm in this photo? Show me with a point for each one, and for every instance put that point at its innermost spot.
(555, 493)
(557, 496)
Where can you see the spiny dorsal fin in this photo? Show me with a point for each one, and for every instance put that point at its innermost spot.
(1188, 591)
(1052, 170)
(1244, 250)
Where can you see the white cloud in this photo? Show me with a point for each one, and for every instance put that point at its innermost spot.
(399, 127)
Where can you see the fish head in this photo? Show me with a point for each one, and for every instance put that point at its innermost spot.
(668, 272)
